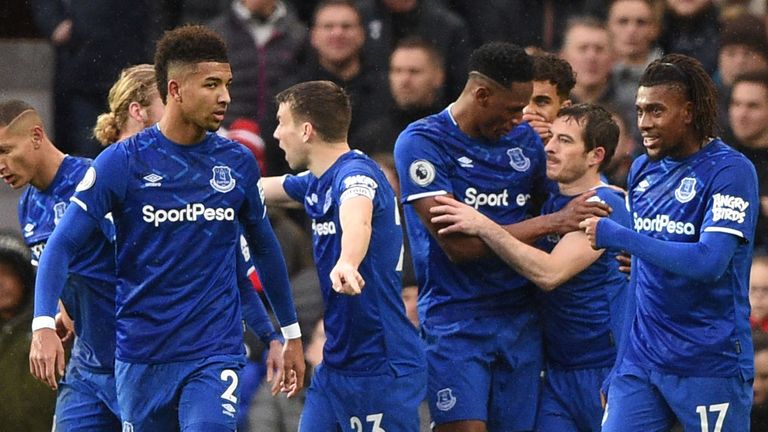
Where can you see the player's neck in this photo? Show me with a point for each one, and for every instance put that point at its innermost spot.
(324, 155)
(583, 184)
(48, 167)
(461, 112)
(181, 131)
(688, 147)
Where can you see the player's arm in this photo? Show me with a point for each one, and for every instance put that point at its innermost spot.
(705, 260)
(547, 270)
(46, 356)
(461, 247)
(355, 215)
(257, 319)
(269, 260)
(275, 194)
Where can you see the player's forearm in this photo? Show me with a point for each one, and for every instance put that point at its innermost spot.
(254, 313)
(71, 233)
(530, 230)
(535, 265)
(268, 258)
(706, 260)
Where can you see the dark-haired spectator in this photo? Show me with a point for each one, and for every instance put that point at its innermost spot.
(337, 37)
(748, 114)
(27, 405)
(386, 22)
(691, 27)
(416, 80)
(743, 49)
(266, 44)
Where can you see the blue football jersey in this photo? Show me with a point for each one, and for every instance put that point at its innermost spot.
(177, 211)
(434, 157)
(367, 334)
(684, 326)
(89, 294)
(583, 317)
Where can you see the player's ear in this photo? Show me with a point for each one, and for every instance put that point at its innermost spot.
(136, 111)
(36, 134)
(688, 113)
(596, 156)
(482, 94)
(566, 103)
(174, 91)
(306, 131)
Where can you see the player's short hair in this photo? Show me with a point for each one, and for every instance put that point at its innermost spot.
(599, 128)
(687, 74)
(503, 62)
(556, 71)
(136, 84)
(328, 3)
(10, 109)
(323, 104)
(186, 45)
(416, 42)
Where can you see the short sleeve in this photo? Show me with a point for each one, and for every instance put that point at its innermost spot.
(420, 167)
(732, 207)
(355, 182)
(296, 185)
(104, 183)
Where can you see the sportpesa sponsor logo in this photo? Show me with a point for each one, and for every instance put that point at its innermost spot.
(323, 228)
(662, 223)
(191, 213)
(476, 199)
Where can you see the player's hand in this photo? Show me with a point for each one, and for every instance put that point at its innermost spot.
(582, 207)
(625, 262)
(65, 329)
(590, 229)
(458, 217)
(293, 359)
(46, 357)
(345, 279)
(275, 366)
(540, 125)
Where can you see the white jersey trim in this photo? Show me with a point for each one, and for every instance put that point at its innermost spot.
(80, 204)
(292, 331)
(425, 195)
(731, 231)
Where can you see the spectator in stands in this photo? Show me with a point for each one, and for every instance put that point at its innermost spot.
(337, 39)
(416, 80)
(758, 293)
(27, 405)
(748, 114)
(389, 21)
(743, 49)
(93, 41)
(266, 43)
(760, 386)
(691, 27)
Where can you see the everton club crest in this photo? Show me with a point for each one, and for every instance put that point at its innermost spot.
(518, 160)
(222, 179)
(58, 212)
(687, 190)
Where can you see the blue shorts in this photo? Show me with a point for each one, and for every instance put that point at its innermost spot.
(570, 400)
(645, 400)
(195, 395)
(337, 402)
(87, 402)
(485, 369)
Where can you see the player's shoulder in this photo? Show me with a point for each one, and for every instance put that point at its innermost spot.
(719, 151)
(428, 128)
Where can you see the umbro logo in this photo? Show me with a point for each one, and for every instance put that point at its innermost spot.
(466, 162)
(642, 186)
(152, 180)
